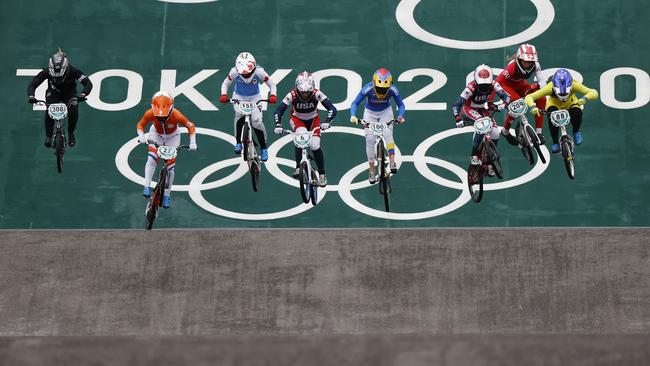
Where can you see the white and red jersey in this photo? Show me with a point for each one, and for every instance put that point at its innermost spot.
(304, 109)
(511, 75)
(475, 98)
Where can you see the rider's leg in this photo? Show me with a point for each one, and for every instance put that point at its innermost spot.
(576, 120)
(314, 145)
(175, 141)
(152, 160)
(554, 130)
(49, 130)
(258, 127)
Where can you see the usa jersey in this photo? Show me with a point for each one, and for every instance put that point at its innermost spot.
(247, 87)
(376, 104)
(307, 109)
(472, 96)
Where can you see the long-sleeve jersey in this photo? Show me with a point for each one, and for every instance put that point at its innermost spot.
(66, 87)
(248, 87)
(475, 98)
(374, 103)
(170, 125)
(576, 86)
(305, 110)
(511, 76)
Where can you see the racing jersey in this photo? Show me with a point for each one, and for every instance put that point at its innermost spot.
(374, 103)
(68, 86)
(248, 87)
(554, 101)
(476, 98)
(510, 75)
(170, 125)
(305, 110)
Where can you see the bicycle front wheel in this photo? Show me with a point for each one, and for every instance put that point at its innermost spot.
(59, 150)
(305, 184)
(494, 159)
(567, 156)
(313, 192)
(255, 174)
(475, 182)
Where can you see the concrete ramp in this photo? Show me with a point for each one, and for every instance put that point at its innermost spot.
(324, 282)
(342, 350)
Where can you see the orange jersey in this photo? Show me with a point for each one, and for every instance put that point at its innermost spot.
(171, 124)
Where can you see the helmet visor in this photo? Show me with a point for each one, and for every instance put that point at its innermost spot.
(527, 65)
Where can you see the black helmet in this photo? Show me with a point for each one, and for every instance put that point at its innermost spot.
(58, 66)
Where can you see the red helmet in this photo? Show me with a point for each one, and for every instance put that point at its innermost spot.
(483, 77)
(526, 58)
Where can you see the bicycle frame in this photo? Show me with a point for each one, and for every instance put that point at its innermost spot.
(517, 110)
(378, 129)
(301, 140)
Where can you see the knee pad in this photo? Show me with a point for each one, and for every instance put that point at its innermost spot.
(314, 144)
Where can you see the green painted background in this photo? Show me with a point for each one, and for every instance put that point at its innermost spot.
(613, 165)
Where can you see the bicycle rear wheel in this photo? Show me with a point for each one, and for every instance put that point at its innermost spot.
(567, 156)
(475, 182)
(305, 184)
(59, 150)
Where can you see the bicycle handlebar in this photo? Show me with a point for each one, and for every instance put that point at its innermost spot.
(366, 123)
(152, 142)
(68, 103)
(236, 101)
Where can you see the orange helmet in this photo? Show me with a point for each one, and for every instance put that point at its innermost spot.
(162, 104)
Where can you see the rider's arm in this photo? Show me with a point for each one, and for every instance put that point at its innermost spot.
(286, 102)
(538, 75)
(325, 101)
(228, 80)
(400, 103)
(356, 102)
(182, 120)
(531, 98)
(588, 93)
(144, 120)
(36, 81)
(498, 89)
(462, 99)
(264, 76)
(83, 79)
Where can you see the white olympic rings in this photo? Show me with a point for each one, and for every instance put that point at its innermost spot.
(404, 14)
(345, 185)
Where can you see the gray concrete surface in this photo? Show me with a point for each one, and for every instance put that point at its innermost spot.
(325, 282)
(342, 350)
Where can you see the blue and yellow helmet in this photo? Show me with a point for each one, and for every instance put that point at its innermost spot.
(381, 81)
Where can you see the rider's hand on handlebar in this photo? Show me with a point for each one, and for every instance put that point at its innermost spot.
(31, 99)
(223, 98)
(81, 97)
(400, 120)
(536, 112)
(278, 129)
(193, 147)
(142, 139)
(354, 120)
(460, 124)
(273, 99)
(324, 126)
(582, 101)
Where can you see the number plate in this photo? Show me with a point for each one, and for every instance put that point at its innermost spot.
(560, 118)
(301, 140)
(247, 107)
(378, 128)
(483, 125)
(57, 111)
(167, 152)
(517, 108)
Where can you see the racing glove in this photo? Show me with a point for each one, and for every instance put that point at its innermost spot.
(223, 98)
(354, 120)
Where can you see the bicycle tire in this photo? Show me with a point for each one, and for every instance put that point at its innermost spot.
(475, 182)
(536, 144)
(304, 182)
(384, 177)
(156, 199)
(150, 213)
(313, 192)
(246, 143)
(59, 150)
(494, 159)
(255, 174)
(567, 156)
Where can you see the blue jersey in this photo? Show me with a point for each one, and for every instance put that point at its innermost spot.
(375, 103)
(248, 87)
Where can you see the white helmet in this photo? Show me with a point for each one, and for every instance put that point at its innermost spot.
(245, 64)
(483, 77)
(305, 85)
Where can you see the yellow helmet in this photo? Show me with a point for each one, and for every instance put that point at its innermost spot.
(382, 80)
